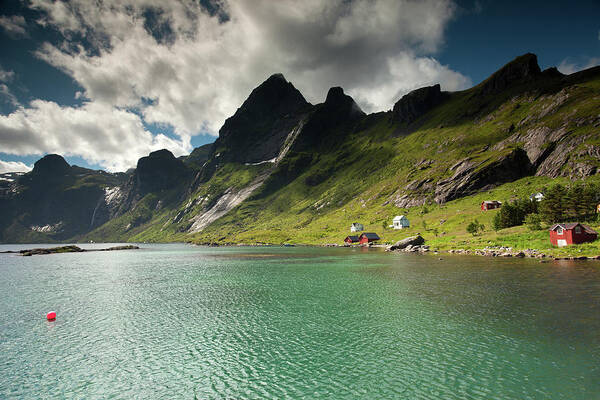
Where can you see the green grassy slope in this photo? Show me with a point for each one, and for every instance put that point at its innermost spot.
(362, 171)
(357, 180)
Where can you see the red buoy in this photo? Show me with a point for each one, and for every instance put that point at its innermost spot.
(51, 316)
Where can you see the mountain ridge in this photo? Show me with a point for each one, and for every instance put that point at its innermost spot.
(281, 162)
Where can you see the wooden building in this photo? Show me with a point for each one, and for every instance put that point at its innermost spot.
(572, 233)
(490, 205)
(351, 239)
(368, 237)
(400, 222)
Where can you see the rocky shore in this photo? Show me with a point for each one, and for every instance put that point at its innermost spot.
(416, 244)
(510, 252)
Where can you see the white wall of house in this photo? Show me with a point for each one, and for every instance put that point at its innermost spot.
(356, 227)
(400, 222)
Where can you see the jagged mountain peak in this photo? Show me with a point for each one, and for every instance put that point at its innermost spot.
(275, 93)
(260, 126)
(522, 68)
(51, 164)
(336, 98)
(335, 94)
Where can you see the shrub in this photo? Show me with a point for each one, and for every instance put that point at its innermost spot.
(534, 222)
(475, 227)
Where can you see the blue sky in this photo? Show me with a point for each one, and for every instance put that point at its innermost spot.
(106, 86)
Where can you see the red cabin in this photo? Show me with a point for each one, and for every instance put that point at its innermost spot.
(490, 204)
(351, 239)
(572, 233)
(368, 237)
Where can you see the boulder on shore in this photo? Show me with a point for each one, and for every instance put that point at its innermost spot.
(409, 241)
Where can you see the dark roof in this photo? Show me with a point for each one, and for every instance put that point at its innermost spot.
(570, 225)
(354, 238)
(370, 236)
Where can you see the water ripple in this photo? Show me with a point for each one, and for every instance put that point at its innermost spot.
(177, 321)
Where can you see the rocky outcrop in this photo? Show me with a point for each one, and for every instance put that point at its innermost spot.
(158, 171)
(328, 122)
(417, 103)
(51, 165)
(258, 129)
(409, 241)
(471, 176)
(522, 69)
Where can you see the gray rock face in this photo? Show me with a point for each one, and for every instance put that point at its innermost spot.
(417, 103)
(470, 176)
(258, 129)
(409, 241)
(325, 124)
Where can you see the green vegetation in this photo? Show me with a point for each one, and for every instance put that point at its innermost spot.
(534, 222)
(531, 135)
(474, 227)
(514, 213)
(313, 198)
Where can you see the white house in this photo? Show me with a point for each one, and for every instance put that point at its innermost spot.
(537, 196)
(356, 227)
(400, 222)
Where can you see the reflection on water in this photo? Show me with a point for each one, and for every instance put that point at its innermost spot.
(173, 321)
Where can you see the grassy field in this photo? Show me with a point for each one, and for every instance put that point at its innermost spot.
(442, 226)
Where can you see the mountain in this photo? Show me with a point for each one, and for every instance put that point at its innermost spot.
(285, 170)
(55, 201)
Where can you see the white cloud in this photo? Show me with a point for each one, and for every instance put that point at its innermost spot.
(205, 74)
(110, 137)
(567, 66)
(14, 25)
(377, 50)
(13, 166)
(6, 75)
(7, 96)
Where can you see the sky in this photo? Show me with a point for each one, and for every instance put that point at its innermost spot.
(105, 83)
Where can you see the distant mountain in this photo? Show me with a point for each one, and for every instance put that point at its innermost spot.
(283, 169)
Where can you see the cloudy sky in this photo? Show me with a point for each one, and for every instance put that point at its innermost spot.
(105, 82)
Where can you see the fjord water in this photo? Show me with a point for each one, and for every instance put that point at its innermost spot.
(179, 321)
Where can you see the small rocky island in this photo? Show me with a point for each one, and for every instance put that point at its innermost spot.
(67, 249)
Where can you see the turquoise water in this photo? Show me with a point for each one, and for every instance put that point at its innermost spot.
(178, 321)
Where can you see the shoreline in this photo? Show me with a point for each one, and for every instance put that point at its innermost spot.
(489, 251)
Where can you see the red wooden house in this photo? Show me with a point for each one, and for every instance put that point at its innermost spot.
(490, 204)
(351, 239)
(572, 233)
(368, 237)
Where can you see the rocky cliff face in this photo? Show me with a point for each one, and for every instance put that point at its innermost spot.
(328, 122)
(258, 129)
(417, 103)
(471, 177)
(521, 69)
